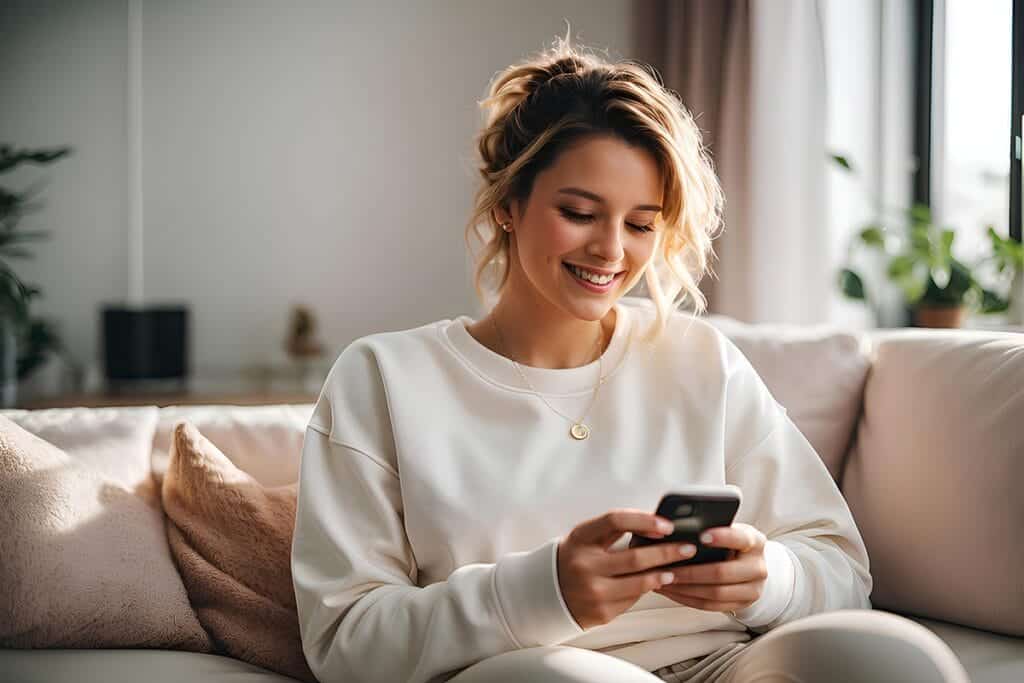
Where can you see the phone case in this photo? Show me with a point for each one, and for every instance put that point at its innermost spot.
(692, 513)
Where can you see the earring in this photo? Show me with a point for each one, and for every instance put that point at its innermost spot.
(505, 227)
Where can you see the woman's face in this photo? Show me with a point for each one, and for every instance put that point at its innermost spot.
(594, 210)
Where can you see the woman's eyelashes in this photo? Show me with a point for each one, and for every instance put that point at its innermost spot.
(586, 218)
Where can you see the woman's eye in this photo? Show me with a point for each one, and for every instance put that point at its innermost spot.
(586, 218)
(578, 217)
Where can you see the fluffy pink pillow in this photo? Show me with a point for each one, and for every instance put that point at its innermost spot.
(84, 561)
(231, 539)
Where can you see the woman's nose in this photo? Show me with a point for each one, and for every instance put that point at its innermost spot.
(606, 243)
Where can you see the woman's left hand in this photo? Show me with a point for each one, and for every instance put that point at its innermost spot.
(723, 586)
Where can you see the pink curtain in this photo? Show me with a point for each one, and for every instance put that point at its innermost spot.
(702, 50)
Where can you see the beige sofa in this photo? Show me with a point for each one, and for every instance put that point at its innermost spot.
(923, 430)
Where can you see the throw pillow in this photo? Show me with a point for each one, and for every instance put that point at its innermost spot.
(816, 372)
(84, 561)
(231, 539)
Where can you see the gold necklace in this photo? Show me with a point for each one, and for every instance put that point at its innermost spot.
(578, 430)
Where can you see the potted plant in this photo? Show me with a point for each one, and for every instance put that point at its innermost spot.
(24, 341)
(936, 286)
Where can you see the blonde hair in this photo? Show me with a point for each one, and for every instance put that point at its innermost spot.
(535, 109)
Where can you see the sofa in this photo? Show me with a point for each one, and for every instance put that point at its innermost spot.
(108, 576)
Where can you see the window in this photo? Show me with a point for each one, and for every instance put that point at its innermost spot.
(969, 117)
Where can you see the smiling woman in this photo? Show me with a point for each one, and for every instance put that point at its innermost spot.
(452, 526)
(594, 167)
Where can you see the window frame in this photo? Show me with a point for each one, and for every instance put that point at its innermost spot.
(924, 22)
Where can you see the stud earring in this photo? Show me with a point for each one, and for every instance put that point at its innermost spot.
(505, 227)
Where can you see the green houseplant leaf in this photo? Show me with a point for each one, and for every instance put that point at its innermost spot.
(851, 284)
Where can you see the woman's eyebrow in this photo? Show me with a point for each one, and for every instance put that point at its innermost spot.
(598, 198)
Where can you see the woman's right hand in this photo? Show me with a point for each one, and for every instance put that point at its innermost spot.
(598, 584)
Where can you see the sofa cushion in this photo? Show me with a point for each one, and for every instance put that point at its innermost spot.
(129, 666)
(231, 539)
(263, 441)
(987, 657)
(84, 560)
(935, 475)
(816, 373)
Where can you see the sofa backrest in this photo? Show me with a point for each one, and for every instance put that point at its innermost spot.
(264, 441)
(816, 372)
(935, 474)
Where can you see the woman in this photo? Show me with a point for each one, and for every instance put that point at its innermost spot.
(468, 488)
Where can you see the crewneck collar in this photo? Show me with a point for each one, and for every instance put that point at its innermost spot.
(499, 370)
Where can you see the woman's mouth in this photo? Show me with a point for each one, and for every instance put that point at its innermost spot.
(590, 281)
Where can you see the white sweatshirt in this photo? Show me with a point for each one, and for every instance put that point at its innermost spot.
(435, 486)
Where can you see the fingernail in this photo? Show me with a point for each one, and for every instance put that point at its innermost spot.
(667, 577)
(665, 526)
(687, 550)
(706, 537)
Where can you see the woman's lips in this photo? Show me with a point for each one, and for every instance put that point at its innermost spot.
(590, 286)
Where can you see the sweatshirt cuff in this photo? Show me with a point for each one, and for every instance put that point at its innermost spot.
(530, 598)
(778, 587)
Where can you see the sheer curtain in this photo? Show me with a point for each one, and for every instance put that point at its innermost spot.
(753, 73)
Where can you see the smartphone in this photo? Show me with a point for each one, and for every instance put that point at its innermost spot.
(693, 509)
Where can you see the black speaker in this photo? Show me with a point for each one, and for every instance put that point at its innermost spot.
(148, 343)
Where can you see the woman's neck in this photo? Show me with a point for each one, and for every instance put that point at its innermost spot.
(541, 336)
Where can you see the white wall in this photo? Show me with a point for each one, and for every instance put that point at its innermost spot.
(292, 152)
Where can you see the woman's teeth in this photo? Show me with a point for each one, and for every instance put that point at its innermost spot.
(591, 277)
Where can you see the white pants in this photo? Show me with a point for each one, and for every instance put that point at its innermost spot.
(844, 646)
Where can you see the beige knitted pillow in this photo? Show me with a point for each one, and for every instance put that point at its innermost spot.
(231, 539)
(84, 561)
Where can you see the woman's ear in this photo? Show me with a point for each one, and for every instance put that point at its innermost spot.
(504, 211)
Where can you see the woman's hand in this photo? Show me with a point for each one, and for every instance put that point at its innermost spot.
(598, 585)
(723, 586)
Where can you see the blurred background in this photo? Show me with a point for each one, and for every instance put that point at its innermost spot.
(206, 201)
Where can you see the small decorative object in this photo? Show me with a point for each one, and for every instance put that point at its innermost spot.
(301, 342)
(936, 286)
(25, 342)
(303, 348)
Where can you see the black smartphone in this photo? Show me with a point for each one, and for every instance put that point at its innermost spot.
(693, 509)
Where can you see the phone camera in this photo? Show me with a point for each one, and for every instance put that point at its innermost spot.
(684, 510)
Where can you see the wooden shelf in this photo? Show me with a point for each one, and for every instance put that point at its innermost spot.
(162, 399)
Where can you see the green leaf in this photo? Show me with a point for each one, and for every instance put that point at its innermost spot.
(992, 302)
(841, 161)
(873, 236)
(851, 284)
(948, 235)
(24, 236)
(920, 213)
(901, 266)
(9, 157)
(920, 241)
(16, 252)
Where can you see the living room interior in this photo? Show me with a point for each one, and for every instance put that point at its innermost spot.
(205, 203)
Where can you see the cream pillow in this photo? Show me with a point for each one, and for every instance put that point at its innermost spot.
(817, 373)
(263, 441)
(84, 561)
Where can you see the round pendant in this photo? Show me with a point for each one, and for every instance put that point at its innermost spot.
(579, 431)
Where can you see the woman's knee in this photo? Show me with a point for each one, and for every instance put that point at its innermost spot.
(850, 645)
(555, 664)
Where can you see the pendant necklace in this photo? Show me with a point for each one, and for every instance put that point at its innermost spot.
(579, 430)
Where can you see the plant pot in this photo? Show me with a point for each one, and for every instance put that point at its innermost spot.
(939, 316)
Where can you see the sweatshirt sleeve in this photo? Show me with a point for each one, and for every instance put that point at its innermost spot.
(816, 558)
(362, 617)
